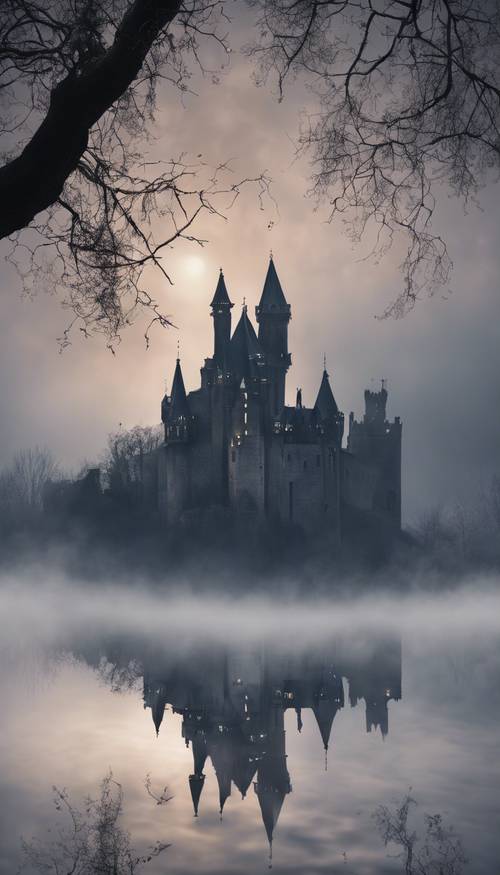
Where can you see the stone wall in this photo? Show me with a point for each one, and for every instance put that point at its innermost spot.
(246, 475)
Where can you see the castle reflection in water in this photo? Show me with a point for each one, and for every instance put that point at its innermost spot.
(233, 704)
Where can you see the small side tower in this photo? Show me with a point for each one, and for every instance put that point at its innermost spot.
(221, 314)
(175, 412)
(330, 418)
(377, 442)
(273, 315)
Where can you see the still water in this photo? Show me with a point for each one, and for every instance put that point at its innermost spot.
(275, 730)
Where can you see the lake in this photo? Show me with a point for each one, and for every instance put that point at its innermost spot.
(278, 727)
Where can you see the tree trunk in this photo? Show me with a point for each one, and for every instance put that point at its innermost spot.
(34, 180)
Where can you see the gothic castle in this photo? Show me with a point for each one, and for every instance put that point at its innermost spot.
(235, 442)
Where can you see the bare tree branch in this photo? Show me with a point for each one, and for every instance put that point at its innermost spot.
(86, 72)
(409, 102)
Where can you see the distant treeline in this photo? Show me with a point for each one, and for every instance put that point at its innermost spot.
(103, 517)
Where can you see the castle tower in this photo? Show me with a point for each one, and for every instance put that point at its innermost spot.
(273, 315)
(175, 412)
(221, 314)
(331, 420)
(377, 441)
(197, 779)
(273, 780)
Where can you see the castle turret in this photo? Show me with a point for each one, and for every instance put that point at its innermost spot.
(377, 441)
(331, 420)
(273, 780)
(246, 354)
(176, 414)
(197, 779)
(273, 315)
(221, 314)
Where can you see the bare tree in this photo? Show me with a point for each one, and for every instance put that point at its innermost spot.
(409, 102)
(22, 484)
(92, 841)
(126, 454)
(440, 850)
(78, 81)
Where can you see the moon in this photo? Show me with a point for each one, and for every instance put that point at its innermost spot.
(194, 266)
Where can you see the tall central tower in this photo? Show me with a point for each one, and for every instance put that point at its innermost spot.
(273, 315)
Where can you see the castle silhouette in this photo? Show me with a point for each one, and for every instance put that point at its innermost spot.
(233, 703)
(234, 441)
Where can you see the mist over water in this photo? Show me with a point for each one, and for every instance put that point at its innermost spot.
(48, 608)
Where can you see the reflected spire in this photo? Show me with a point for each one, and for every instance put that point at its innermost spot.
(196, 783)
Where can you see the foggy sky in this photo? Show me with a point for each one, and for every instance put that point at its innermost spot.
(441, 361)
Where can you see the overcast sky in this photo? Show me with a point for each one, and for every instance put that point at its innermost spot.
(441, 361)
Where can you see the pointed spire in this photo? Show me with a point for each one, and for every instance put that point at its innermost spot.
(272, 300)
(221, 297)
(196, 783)
(158, 708)
(324, 710)
(325, 404)
(244, 346)
(271, 802)
(179, 406)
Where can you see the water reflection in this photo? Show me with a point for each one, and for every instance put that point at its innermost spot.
(233, 702)
(242, 711)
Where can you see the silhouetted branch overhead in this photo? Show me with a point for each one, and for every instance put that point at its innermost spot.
(409, 99)
(88, 70)
(96, 77)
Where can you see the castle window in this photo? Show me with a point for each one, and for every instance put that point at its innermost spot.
(318, 461)
(233, 455)
(289, 458)
(305, 464)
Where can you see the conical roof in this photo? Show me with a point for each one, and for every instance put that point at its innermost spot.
(158, 707)
(222, 759)
(272, 298)
(324, 710)
(179, 405)
(244, 348)
(325, 402)
(221, 296)
(196, 783)
(271, 802)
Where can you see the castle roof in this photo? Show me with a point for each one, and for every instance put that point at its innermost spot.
(196, 786)
(325, 402)
(271, 802)
(272, 298)
(179, 405)
(221, 296)
(244, 348)
(159, 701)
(324, 711)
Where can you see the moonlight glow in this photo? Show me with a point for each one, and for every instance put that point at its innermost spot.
(194, 266)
